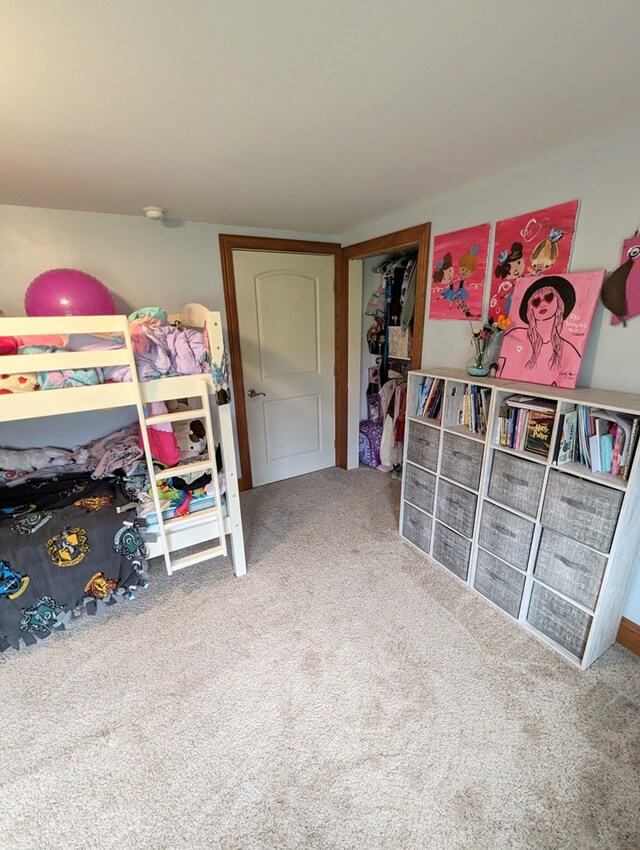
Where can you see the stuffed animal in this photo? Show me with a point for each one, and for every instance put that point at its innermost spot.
(191, 437)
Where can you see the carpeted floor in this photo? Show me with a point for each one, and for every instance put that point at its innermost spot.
(345, 694)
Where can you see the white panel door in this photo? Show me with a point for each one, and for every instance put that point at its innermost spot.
(285, 314)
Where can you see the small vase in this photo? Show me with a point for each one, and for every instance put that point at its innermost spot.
(478, 366)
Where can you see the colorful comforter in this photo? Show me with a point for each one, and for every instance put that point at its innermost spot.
(161, 351)
(64, 548)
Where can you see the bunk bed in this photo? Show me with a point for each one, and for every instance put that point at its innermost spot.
(205, 397)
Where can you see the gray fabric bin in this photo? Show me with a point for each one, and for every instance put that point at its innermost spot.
(456, 507)
(452, 550)
(506, 535)
(416, 527)
(572, 569)
(461, 460)
(565, 624)
(498, 582)
(586, 511)
(516, 483)
(422, 445)
(419, 487)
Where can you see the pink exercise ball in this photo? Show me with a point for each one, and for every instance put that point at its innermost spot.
(68, 292)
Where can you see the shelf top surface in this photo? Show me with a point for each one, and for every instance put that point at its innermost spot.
(610, 399)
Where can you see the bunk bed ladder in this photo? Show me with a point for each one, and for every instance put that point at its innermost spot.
(164, 525)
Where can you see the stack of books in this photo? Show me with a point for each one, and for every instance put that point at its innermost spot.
(469, 408)
(526, 423)
(602, 440)
(430, 398)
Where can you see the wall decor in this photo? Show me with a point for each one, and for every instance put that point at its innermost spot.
(621, 290)
(459, 273)
(550, 319)
(535, 243)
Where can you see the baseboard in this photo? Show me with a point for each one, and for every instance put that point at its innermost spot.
(629, 635)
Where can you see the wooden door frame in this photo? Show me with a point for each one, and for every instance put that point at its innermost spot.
(420, 236)
(230, 243)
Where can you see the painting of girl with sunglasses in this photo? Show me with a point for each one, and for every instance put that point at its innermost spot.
(553, 316)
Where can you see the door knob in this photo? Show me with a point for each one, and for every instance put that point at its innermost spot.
(253, 393)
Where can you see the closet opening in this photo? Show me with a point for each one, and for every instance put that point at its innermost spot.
(386, 280)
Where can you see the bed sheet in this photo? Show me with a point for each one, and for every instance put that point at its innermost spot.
(64, 549)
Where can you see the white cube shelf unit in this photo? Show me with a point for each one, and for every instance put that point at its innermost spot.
(552, 546)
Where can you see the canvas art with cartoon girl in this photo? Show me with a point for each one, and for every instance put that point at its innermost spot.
(467, 265)
(538, 348)
(458, 273)
(545, 254)
(510, 267)
(444, 275)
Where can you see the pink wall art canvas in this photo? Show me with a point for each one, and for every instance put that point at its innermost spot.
(550, 319)
(458, 273)
(529, 245)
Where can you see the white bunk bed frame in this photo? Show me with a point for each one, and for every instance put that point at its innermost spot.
(214, 523)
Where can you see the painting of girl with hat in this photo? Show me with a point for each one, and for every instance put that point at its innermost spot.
(550, 320)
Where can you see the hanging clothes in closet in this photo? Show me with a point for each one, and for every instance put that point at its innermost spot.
(392, 308)
(393, 396)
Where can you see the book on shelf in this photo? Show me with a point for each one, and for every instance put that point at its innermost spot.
(633, 445)
(530, 403)
(430, 409)
(538, 432)
(525, 424)
(606, 441)
(467, 408)
(423, 394)
(566, 444)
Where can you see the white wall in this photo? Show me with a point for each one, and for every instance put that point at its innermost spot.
(605, 179)
(142, 262)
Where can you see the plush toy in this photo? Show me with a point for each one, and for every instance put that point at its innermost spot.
(191, 437)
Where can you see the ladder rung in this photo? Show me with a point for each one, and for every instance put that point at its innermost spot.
(196, 558)
(207, 513)
(200, 466)
(178, 416)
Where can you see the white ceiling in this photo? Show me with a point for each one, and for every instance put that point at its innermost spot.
(311, 116)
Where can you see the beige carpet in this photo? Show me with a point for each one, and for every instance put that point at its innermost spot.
(345, 694)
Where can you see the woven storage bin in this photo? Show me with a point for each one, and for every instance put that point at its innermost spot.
(456, 507)
(583, 510)
(572, 569)
(422, 445)
(506, 535)
(461, 460)
(562, 622)
(452, 550)
(419, 488)
(499, 583)
(516, 483)
(416, 527)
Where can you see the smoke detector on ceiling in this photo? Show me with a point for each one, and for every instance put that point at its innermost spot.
(154, 213)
